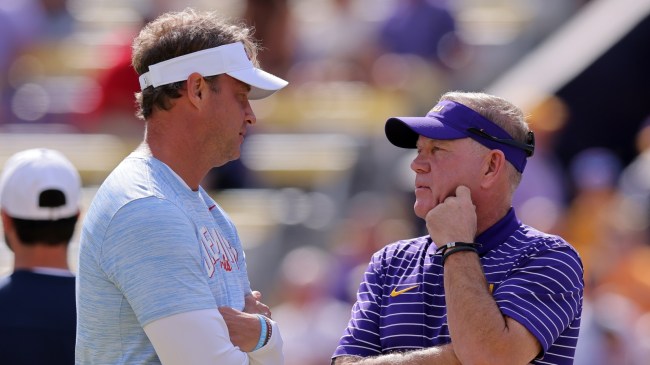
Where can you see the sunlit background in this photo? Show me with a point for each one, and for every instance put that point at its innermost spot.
(318, 188)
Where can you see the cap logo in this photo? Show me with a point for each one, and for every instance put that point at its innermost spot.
(437, 109)
(145, 81)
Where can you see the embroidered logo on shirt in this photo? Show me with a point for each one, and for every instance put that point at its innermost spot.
(395, 293)
(217, 251)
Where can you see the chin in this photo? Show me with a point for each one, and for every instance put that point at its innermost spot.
(421, 210)
(235, 155)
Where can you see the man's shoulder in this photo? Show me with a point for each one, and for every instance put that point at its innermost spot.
(537, 245)
(24, 285)
(541, 240)
(135, 179)
(133, 171)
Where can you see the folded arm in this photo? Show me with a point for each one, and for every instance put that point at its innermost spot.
(202, 337)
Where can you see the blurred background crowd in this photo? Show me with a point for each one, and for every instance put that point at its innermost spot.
(318, 188)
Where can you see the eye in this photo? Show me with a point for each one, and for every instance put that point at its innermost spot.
(243, 97)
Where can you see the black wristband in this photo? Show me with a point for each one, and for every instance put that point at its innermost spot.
(452, 251)
(443, 249)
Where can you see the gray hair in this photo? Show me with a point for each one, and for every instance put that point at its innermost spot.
(501, 112)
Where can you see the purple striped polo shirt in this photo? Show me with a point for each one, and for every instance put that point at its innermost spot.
(535, 278)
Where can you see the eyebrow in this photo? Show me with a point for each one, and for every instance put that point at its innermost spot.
(435, 142)
(242, 85)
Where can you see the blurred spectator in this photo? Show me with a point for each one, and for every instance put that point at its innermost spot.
(373, 220)
(594, 173)
(417, 51)
(619, 295)
(542, 195)
(274, 29)
(19, 22)
(425, 28)
(118, 83)
(19, 26)
(39, 196)
(23, 22)
(608, 222)
(335, 39)
(607, 335)
(26, 26)
(635, 177)
(311, 319)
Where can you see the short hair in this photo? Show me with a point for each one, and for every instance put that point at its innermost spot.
(51, 233)
(501, 112)
(175, 34)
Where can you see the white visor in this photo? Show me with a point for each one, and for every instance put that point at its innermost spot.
(230, 59)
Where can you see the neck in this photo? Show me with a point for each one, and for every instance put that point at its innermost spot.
(40, 255)
(490, 210)
(175, 148)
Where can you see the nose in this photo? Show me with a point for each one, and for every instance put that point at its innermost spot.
(250, 115)
(419, 165)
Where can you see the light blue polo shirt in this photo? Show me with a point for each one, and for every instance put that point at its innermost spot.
(150, 248)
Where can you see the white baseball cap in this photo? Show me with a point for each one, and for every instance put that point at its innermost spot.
(230, 59)
(27, 174)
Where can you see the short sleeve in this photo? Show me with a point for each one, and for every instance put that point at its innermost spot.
(544, 292)
(361, 337)
(151, 254)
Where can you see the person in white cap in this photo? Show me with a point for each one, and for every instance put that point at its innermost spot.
(39, 201)
(162, 273)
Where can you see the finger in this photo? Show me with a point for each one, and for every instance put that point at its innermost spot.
(256, 294)
(264, 309)
(463, 192)
(225, 310)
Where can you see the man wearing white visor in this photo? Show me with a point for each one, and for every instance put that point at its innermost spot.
(162, 274)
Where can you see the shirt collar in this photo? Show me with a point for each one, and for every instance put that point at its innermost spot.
(499, 232)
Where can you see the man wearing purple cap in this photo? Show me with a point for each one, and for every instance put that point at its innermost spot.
(162, 273)
(481, 287)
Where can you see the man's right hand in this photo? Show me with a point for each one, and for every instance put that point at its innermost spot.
(454, 220)
(253, 305)
(243, 328)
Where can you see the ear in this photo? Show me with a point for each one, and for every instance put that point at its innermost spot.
(493, 167)
(8, 227)
(196, 89)
(7, 222)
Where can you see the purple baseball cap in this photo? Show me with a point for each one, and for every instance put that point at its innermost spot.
(452, 120)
